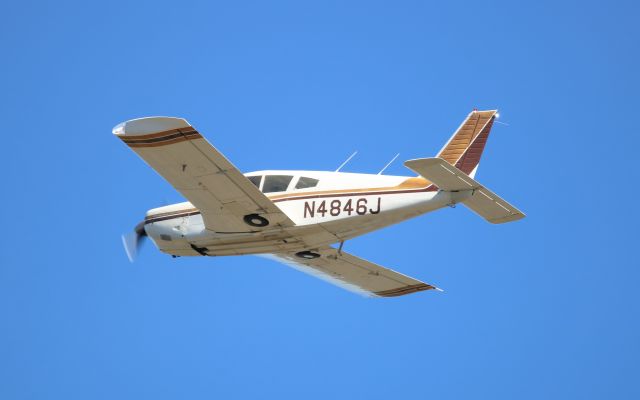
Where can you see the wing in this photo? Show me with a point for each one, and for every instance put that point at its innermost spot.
(353, 273)
(201, 173)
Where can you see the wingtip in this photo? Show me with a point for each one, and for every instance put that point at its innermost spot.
(149, 125)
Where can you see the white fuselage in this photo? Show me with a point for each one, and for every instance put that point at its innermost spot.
(338, 206)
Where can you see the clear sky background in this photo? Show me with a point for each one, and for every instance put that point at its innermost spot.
(542, 308)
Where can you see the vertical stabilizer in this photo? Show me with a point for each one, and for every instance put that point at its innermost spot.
(465, 147)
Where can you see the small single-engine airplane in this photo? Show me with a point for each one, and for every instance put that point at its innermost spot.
(295, 216)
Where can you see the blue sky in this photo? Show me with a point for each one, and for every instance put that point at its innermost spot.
(543, 308)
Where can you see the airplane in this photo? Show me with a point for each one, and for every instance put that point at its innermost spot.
(296, 216)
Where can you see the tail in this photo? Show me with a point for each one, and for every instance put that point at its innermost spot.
(464, 188)
(455, 165)
(465, 147)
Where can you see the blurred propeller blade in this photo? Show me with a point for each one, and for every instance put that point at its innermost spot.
(132, 241)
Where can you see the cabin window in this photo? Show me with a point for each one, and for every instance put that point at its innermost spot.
(276, 183)
(255, 180)
(304, 183)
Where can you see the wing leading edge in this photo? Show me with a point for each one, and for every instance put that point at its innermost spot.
(353, 273)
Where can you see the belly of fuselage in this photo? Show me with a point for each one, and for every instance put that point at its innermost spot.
(319, 222)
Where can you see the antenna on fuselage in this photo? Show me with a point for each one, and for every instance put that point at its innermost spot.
(499, 122)
(389, 163)
(346, 161)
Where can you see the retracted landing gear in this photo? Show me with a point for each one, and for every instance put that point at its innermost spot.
(255, 220)
(307, 255)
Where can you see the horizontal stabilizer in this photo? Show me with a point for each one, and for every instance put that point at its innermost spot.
(482, 200)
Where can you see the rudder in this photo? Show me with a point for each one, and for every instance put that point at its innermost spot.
(465, 147)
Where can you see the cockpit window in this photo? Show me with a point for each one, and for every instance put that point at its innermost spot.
(276, 183)
(255, 180)
(304, 183)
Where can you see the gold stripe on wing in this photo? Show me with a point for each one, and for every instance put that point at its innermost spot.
(154, 135)
(164, 143)
(166, 136)
(404, 290)
(166, 139)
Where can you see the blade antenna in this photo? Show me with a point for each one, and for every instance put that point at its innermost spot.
(389, 163)
(347, 160)
(499, 122)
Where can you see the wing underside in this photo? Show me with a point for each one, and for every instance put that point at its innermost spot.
(353, 273)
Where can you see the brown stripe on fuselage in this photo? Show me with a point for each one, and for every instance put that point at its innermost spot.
(303, 196)
(410, 184)
(356, 192)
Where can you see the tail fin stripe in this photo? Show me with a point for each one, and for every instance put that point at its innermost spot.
(465, 147)
(471, 157)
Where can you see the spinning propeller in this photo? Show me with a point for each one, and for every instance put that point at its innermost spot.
(133, 241)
